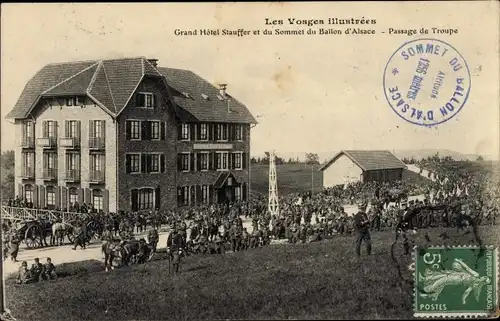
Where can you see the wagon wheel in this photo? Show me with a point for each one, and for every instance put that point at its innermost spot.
(93, 230)
(31, 236)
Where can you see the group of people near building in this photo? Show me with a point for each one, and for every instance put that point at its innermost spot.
(37, 273)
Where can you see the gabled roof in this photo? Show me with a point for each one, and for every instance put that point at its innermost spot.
(111, 84)
(196, 107)
(369, 160)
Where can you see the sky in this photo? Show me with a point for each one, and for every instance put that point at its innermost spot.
(318, 93)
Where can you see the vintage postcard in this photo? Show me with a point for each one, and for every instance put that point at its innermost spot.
(243, 161)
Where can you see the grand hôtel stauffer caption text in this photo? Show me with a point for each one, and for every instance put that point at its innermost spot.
(315, 27)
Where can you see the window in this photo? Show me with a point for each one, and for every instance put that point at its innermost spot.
(28, 129)
(28, 164)
(237, 164)
(203, 161)
(146, 199)
(221, 160)
(237, 193)
(133, 163)
(28, 193)
(154, 163)
(203, 132)
(221, 132)
(73, 196)
(238, 132)
(70, 101)
(74, 101)
(184, 162)
(96, 162)
(97, 199)
(155, 130)
(51, 196)
(50, 160)
(204, 194)
(145, 100)
(134, 129)
(49, 129)
(72, 128)
(97, 128)
(184, 131)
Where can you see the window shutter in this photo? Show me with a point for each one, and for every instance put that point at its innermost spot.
(157, 198)
(192, 133)
(162, 163)
(148, 130)
(138, 100)
(198, 131)
(153, 100)
(244, 160)
(105, 201)
(198, 161)
(179, 131)
(66, 128)
(231, 132)
(56, 129)
(78, 129)
(134, 197)
(198, 196)
(127, 164)
(244, 192)
(179, 162)
(144, 134)
(103, 130)
(143, 163)
(210, 194)
(35, 195)
(191, 162)
(128, 129)
(230, 160)
(179, 196)
(57, 191)
(216, 131)
(45, 128)
(163, 126)
(211, 160)
(149, 159)
(210, 131)
(42, 196)
(243, 132)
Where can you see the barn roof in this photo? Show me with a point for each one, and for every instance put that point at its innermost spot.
(112, 82)
(369, 160)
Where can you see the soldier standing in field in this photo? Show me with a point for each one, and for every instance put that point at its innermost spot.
(362, 225)
(175, 246)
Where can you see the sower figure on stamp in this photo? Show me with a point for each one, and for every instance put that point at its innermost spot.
(362, 224)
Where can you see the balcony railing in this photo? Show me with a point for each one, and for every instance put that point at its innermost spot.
(49, 173)
(47, 142)
(69, 142)
(28, 173)
(28, 142)
(96, 143)
(72, 175)
(96, 176)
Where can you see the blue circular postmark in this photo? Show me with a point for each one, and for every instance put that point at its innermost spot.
(426, 82)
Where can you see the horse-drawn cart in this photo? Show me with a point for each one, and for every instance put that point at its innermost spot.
(34, 232)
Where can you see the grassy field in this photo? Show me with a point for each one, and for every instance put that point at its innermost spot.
(292, 178)
(307, 281)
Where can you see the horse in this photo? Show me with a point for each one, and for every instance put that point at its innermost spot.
(59, 230)
(111, 250)
(138, 250)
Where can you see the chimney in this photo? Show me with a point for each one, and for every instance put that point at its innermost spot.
(154, 62)
(222, 90)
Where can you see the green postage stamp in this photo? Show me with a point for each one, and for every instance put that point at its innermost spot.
(456, 282)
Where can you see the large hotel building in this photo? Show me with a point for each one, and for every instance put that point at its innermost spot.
(126, 134)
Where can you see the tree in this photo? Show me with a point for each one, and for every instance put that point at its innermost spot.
(7, 169)
(312, 159)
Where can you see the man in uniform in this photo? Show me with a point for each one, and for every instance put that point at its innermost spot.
(362, 225)
(24, 275)
(49, 270)
(37, 270)
(14, 244)
(153, 238)
(175, 246)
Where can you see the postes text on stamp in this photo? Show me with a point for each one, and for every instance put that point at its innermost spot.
(456, 282)
(426, 82)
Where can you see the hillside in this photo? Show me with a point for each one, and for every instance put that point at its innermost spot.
(305, 281)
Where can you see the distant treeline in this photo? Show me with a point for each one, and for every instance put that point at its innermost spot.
(311, 158)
